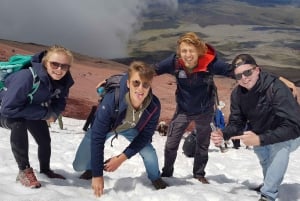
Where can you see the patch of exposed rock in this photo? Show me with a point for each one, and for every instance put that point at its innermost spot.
(87, 72)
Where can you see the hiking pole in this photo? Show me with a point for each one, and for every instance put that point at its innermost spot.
(213, 128)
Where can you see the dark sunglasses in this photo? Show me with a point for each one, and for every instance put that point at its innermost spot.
(56, 65)
(137, 83)
(246, 73)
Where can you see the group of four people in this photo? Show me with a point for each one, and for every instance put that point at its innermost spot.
(260, 101)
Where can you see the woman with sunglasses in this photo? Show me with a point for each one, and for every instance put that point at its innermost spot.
(267, 106)
(137, 119)
(20, 114)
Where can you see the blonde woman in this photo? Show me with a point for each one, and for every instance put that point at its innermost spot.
(19, 113)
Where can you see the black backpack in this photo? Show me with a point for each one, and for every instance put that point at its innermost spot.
(189, 144)
(112, 84)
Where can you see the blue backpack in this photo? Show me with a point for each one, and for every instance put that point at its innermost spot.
(14, 64)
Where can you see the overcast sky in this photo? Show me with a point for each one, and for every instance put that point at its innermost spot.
(98, 28)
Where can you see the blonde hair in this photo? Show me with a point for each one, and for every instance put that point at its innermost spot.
(57, 49)
(145, 71)
(192, 39)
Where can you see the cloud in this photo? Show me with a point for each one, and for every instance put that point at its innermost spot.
(98, 28)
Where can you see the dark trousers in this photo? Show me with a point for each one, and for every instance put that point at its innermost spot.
(19, 140)
(176, 130)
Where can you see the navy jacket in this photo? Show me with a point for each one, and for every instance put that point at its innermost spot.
(103, 123)
(48, 100)
(194, 93)
(273, 115)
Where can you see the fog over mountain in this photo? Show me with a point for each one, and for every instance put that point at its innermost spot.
(98, 28)
(272, 2)
(104, 29)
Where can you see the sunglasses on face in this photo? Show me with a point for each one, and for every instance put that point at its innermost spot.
(246, 73)
(56, 65)
(137, 83)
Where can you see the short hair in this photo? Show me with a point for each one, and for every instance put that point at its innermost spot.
(144, 70)
(242, 59)
(192, 39)
(57, 49)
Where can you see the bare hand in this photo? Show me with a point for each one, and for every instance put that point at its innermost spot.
(217, 137)
(98, 186)
(113, 163)
(290, 85)
(50, 120)
(249, 138)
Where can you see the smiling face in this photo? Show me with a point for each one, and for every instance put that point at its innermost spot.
(57, 65)
(189, 48)
(57, 61)
(138, 89)
(140, 77)
(188, 54)
(247, 75)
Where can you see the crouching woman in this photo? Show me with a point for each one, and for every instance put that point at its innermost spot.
(23, 110)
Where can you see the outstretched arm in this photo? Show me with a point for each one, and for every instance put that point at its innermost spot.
(98, 186)
(290, 85)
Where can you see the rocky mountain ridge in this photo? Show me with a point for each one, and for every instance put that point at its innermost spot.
(87, 72)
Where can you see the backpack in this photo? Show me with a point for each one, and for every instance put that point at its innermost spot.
(14, 64)
(189, 144)
(111, 84)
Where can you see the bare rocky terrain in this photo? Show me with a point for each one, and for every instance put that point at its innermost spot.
(87, 72)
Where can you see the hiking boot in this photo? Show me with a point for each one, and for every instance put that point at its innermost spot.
(257, 189)
(28, 179)
(203, 180)
(263, 198)
(87, 175)
(52, 175)
(159, 184)
(167, 173)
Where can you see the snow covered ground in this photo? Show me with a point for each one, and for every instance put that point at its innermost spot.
(230, 174)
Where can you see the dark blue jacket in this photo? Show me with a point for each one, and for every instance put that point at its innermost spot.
(103, 123)
(194, 93)
(48, 100)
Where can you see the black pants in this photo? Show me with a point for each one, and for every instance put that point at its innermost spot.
(176, 130)
(19, 140)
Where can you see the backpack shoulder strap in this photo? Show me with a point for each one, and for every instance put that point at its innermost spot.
(35, 84)
(116, 105)
(115, 114)
(90, 118)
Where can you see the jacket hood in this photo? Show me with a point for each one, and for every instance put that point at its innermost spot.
(264, 81)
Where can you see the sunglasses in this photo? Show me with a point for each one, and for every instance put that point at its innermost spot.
(246, 73)
(56, 65)
(137, 83)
